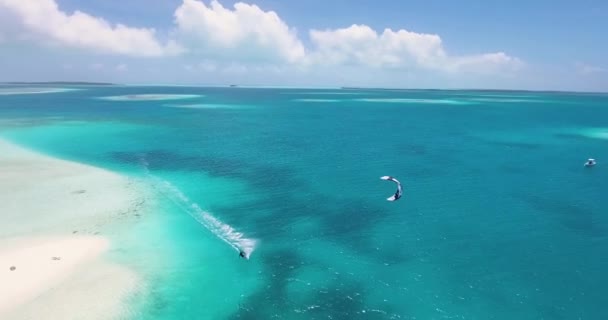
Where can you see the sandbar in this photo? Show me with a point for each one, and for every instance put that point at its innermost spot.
(53, 245)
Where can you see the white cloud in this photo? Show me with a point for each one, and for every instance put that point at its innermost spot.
(96, 66)
(81, 30)
(208, 66)
(121, 67)
(361, 45)
(245, 32)
(188, 67)
(586, 69)
(235, 68)
(487, 63)
(203, 66)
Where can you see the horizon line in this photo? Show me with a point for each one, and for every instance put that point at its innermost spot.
(134, 84)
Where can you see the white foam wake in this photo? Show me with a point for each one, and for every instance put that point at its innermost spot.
(223, 231)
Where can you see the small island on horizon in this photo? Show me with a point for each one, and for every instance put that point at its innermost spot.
(80, 83)
(346, 88)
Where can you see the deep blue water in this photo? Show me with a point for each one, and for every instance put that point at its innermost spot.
(500, 220)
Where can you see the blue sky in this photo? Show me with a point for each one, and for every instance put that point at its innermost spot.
(555, 45)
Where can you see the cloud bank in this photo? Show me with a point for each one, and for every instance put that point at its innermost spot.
(246, 32)
(361, 45)
(42, 19)
(245, 35)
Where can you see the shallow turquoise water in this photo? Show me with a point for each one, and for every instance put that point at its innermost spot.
(499, 219)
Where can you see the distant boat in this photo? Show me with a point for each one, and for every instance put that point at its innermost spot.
(67, 83)
(233, 86)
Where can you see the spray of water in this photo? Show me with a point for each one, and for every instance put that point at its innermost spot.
(223, 231)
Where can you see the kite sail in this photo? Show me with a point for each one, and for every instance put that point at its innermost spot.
(399, 191)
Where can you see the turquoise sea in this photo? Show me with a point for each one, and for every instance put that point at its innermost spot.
(499, 219)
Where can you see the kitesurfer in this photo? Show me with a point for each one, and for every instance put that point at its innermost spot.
(590, 163)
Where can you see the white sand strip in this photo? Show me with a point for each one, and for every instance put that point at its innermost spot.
(42, 263)
(59, 274)
(77, 286)
(41, 194)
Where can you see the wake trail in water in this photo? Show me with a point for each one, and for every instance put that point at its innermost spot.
(223, 231)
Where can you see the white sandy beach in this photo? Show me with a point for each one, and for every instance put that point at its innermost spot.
(55, 215)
